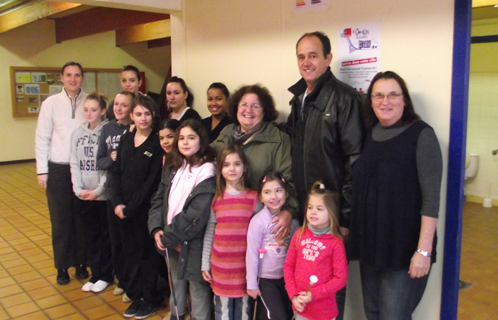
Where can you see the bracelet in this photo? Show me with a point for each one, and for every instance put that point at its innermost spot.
(424, 253)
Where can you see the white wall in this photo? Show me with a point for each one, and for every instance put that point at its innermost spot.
(242, 42)
(34, 45)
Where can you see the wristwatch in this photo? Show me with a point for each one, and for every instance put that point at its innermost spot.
(424, 253)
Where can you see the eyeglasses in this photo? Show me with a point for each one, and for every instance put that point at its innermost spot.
(245, 105)
(393, 96)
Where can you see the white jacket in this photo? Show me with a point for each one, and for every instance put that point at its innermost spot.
(85, 174)
(57, 120)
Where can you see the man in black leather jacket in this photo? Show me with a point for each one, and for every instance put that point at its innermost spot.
(325, 127)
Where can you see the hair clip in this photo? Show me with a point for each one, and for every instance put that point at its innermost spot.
(282, 178)
(264, 179)
(322, 186)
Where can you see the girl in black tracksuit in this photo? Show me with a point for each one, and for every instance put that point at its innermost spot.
(136, 176)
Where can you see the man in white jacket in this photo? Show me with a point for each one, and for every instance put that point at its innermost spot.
(59, 116)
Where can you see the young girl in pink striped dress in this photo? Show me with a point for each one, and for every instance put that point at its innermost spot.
(225, 243)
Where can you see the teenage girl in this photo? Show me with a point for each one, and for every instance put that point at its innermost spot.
(106, 157)
(135, 178)
(179, 98)
(88, 185)
(273, 192)
(225, 240)
(167, 134)
(217, 104)
(179, 214)
(317, 250)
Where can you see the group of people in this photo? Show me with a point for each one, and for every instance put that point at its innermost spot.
(254, 219)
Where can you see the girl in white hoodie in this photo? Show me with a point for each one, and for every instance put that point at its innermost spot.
(88, 185)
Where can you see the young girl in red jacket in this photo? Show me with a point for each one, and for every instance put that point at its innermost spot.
(316, 266)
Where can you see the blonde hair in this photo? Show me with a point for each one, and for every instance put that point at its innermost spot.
(331, 201)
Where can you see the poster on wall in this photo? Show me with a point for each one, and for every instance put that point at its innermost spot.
(359, 54)
(310, 5)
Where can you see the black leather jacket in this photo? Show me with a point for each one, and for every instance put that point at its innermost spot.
(333, 137)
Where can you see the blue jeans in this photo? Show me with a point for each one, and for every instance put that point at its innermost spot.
(390, 295)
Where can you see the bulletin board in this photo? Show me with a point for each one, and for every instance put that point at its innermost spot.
(32, 85)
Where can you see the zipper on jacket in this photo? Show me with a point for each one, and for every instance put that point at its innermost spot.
(194, 222)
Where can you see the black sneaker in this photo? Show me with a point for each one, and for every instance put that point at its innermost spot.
(133, 308)
(81, 272)
(145, 310)
(62, 277)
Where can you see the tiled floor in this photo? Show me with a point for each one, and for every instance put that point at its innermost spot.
(27, 274)
(479, 264)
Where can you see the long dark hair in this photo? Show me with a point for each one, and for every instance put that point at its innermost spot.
(190, 98)
(174, 159)
(409, 114)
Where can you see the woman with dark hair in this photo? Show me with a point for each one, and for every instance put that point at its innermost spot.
(135, 178)
(179, 214)
(179, 99)
(396, 187)
(267, 149)
(217, 102)
(59, 116)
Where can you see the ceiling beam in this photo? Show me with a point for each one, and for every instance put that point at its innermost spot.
(160, 6)
(483, 3)
(99, 20)
(144, 32)
(32, 12)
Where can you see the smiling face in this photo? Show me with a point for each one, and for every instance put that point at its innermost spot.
(387, 110)
(72, 79)
(122, 108)
(129, 81)
(311, 61)
(93, 113)
(233, 169)
(142, 118)
(250, 112)
(175, 95)
(216, 102)
(166, 137)
(273, 196)
(317, 213)
(189, 142)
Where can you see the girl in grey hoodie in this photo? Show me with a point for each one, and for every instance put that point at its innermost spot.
(88, 185)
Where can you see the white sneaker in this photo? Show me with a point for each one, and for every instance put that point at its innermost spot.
(99, 286)
(87, 287)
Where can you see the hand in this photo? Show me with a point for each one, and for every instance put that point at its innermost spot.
(207, 276)
(113, 155)
(254, 293)
(305, 297)
(299, 306)
(157, 238)
(282, 229)
(42, 180)
(344, 233)
(119, 211)
(419, 266)
(88, 195)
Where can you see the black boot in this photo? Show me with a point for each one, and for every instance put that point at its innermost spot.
(81, 272)
(62, 277)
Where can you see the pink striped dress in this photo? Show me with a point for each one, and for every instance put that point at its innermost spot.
(228, 257)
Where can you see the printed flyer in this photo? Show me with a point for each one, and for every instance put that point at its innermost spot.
(359, 54)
